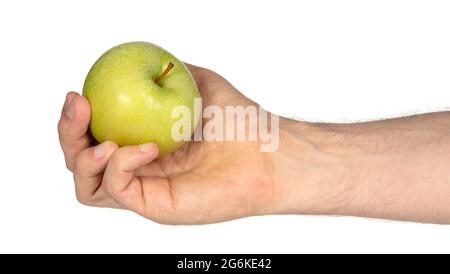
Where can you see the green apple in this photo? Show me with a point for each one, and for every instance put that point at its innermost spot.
(132, 89)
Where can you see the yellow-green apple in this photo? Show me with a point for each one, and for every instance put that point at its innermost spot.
(132, 90)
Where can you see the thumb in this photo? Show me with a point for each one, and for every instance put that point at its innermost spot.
(119, 180)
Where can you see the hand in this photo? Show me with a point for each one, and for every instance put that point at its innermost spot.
(203, 182)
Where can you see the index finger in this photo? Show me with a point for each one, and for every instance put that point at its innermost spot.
(73, 126)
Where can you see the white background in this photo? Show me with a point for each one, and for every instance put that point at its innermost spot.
(315, 60)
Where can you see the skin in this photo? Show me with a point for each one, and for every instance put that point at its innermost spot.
(393, 169)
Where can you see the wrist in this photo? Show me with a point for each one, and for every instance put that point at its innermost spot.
(308, 172)
(325, 167)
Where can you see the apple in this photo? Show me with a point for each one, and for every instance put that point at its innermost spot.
(132, 89)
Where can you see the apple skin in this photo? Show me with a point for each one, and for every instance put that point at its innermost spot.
(127, 106)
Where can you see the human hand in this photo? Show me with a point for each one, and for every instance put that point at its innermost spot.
(203, 182)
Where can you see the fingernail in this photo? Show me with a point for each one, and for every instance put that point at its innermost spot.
(70, 109)
(145, 147)
(100, 150)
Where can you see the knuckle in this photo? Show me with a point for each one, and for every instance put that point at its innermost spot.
(69, 165)
(211, 74)
(82, 199)
(117, 159)
(117, 156)
(77, 164)
(60, 127)
(81, 163)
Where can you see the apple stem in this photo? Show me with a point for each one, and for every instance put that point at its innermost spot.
(169, 67)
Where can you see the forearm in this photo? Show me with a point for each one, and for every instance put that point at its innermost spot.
(394, 169)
